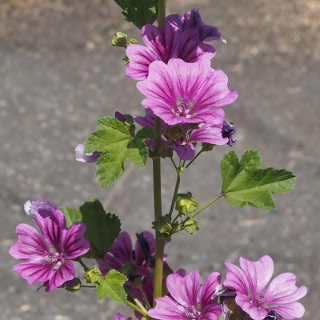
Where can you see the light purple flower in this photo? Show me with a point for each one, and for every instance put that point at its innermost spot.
(184, 303)
(180, 92)
(121, 253)
(33, 207)
(180, 38)
(47, 256)
(119, 316)
(256, 297)
(86, 157)
(193, 19)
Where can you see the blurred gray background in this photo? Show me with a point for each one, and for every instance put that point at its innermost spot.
(60, 73)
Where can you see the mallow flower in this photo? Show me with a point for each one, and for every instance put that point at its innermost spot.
(121, 252)
(188, 300)
(85, 157)
(261, 299)
(181, 92)
(47, 254)
(33, 207)
(119, 316)
(181, 37)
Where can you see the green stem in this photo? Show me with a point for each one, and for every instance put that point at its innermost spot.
(207, 205)
(83, 264)
(84, 286)
(176, 188)
(198, 154)
(158, 270)
(132, 305)
(145, 299)
(135, 300)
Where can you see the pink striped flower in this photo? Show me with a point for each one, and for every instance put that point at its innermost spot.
(261, 299)
(181, 92)
(47, 255)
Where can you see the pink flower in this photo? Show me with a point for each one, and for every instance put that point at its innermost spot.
(119, 316)
(47, 256)
(180, 92)
(181, 38)
(184, 303)
(33, 207)
(256, 297)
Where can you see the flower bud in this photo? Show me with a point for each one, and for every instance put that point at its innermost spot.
(185, 204)
(92, 275)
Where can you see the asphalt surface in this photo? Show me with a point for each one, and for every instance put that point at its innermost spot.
(60, 73)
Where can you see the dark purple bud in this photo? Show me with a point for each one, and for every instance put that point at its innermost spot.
(86, 157)
(273, 315)
(228, 130)
(121, 117)
(145, 248)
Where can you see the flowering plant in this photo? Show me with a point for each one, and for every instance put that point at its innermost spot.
(183, 119)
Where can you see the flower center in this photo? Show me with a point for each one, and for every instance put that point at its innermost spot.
(54, 257)
(183, 107)
(192, 313)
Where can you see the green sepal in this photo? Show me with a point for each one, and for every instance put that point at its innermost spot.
(116, 143)
(185, 204)
(112, 286)
(191, 225)
(102, 228)
(139, 12)
(121, 40)
(92, 275)
(245, 183)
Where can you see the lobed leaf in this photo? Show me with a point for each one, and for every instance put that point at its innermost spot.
(245, 183)
(102, 228)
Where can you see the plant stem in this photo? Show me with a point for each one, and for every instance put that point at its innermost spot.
(83, 264)
(161, 13)
(176, 189)
(207, 205)
(132, 305)
(198, 154)
(135, 300)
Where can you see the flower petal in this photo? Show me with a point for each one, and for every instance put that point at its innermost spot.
(245, 303)
(167, 309)
(60, 275)
(185, 152)
(34, 271)
(32, 207)
(235, 279)
(73, 242)
(208, 289)
(290, 310)
(283, 289)
(258, 274)
(30, 245)
(184, 289)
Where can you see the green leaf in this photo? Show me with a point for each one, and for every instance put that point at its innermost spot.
(139, 12)
(117, 145)
(102, 228)
(245, 183)
(112, 286)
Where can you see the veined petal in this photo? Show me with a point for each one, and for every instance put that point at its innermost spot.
(122, 248)
(208, 289)
(185, 152)
(140, 58)
(33, 207)
(34, 271)
(258, 273)
(211, 312)
(184, 289)
(73, 242)
(283, 289)
(247, 306)
(290, 310)
(61, 274)
(235, 279)
(30, 245)
(208, 134)
(51, 226)
(167, 309)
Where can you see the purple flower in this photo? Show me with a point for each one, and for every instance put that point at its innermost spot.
(119, 316)
(47, 256)
(33, 207)
(184, 303)
(228, 130)
(180, 38)
(192, 20)
(180, 92)
(121, 253)
(258, 299)
(86, 157)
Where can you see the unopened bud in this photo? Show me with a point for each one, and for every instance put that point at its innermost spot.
(185, 204)
(93, 275)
